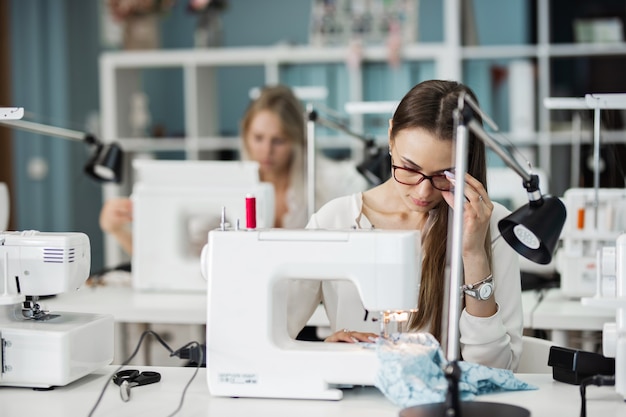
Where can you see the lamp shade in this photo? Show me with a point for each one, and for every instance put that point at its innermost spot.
(376, 167)
(534, 229)
(105, 163)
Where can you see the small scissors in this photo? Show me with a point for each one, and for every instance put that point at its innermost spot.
(129, 378)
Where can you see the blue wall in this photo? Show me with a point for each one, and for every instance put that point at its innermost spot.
(54, 77)
(55, 47)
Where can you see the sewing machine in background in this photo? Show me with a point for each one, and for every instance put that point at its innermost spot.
(38, 348)
(176, 204)
(591, 226)
(611, 293)
(249, 350)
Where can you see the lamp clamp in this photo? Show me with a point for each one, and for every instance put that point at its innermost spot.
(531, 184)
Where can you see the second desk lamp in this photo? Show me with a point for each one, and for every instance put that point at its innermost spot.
(105, 163)
(532, 230)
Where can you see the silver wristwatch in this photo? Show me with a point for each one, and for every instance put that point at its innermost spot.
(481, 290)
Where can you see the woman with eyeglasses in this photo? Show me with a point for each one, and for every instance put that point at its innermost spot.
(418, 196)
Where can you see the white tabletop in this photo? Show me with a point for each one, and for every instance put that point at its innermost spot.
(129, 306)
(548, 309)
(132, 306)
(161, 399)
(558, 312)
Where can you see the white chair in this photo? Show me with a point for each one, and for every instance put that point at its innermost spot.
(535, 353)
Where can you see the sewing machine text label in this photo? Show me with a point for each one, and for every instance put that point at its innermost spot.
(236, 378)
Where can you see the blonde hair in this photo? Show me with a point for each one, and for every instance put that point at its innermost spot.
(280, 100)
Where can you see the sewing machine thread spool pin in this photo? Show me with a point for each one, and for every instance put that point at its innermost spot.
(223, 219)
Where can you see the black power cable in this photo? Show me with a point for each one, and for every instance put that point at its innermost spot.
(598, 380)
(191, 349)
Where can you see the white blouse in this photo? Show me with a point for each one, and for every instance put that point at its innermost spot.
(492, 341)
(333, 179)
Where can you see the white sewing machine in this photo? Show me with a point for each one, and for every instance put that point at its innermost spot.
(611, 293)
(41, 349)
(595, 224)
(175, 204)
(249, 351)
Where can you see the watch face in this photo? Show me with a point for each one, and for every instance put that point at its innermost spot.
(485, 291)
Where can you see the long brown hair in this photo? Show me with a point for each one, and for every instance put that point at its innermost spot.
(430, 105)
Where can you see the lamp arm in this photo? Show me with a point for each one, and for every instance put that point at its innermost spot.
(315, 117)
(464, 99)
(531, 181)
(310, 159)
(495, 146)
(104, 165)
(48, 130)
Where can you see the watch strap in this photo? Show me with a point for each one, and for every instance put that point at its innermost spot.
(473, 289)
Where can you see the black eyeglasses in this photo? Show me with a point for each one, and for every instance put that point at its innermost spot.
(409, 176)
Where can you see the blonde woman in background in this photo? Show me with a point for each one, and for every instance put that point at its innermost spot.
(273, 134)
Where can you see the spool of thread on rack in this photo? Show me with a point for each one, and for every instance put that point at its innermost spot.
(581, 219)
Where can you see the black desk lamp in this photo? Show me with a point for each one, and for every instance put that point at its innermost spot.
(375, 164)
(105, 164)
(532, 231)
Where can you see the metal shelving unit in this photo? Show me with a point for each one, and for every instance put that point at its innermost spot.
(120, 72)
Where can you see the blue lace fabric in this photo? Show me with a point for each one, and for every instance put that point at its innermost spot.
(411, 372)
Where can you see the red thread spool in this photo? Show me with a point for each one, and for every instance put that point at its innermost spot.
(250, 212)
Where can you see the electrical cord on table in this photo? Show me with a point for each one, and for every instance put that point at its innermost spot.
(191, 349)
(598, 380)
(200, 355)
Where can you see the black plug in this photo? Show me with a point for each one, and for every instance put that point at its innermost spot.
(598, 380)
(196, 355)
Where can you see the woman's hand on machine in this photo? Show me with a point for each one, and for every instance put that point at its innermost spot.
(348, 336)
